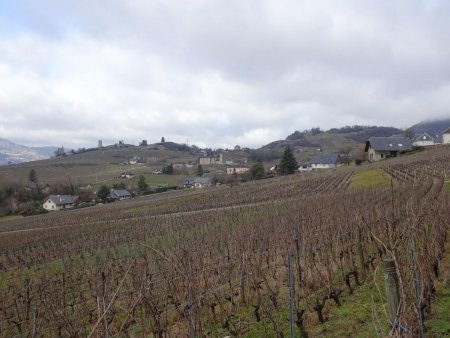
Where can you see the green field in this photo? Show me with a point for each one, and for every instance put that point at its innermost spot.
(368, 177)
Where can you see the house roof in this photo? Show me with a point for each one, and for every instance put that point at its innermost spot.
(202, 180)
(188, 181)
(62, 199)
(389, 144)
(446, 131)
(121, 193)
(423, 137)
(325, 159)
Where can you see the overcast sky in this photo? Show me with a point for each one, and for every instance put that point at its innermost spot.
(217, 73)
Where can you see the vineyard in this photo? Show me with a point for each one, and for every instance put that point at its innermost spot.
(228, 261)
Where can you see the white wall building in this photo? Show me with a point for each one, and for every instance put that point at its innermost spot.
(423, 140)
(446, 136)
(59, 202)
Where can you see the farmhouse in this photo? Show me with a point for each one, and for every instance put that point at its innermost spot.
(423, 140)
(382, 147)
(118, 195)
(446, 136)
(324, 161)
(59, 202)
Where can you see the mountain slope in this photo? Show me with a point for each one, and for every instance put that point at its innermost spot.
(11, 152)
(432, 127)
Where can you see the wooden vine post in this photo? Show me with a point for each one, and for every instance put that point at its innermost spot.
(242, 281)
(391, 284)
(362, 263)
(291, 297)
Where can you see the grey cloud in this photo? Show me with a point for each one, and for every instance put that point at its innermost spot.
(221, 72)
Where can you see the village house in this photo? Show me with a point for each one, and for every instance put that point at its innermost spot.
(118, 195)
(326, 161)
(446, 136)
(211, 160)
(305, 167)
(237, 170)
(59, 202)
(134, 160)
(86, 187)
(188, 183)
(274, 169)
(423, 140)
(202, 182)
(379, 148)
(206, 160)
(126, 174)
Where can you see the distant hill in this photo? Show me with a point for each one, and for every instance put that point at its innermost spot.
(310, 142)
(45, 151)
(91, 165)
(11, 152)
(432, 127)
(363, 133)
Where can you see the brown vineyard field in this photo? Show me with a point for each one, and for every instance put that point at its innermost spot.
(213, 263)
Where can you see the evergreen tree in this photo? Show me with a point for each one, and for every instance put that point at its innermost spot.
(163, 140)
(103, 192)
(142, 185)
(168, 170)
(288, 164)
(199, 170)
(32, 176)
